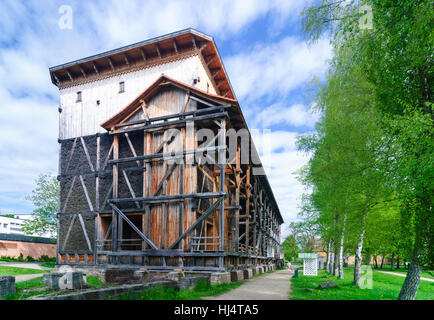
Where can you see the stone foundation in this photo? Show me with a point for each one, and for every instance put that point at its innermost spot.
(237, 275)
(65, 280)
(220, 278)
(7, 286)
(248, 273)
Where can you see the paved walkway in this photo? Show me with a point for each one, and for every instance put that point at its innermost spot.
(270, 286)
(404, 275)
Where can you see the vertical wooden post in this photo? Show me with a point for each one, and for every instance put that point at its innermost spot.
(222, 165)
(181, 188)
(97, 232)
(237, 202)
(247, 213)
(115, 193)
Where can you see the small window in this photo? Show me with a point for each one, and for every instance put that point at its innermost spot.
(78, 96)
(121, 87)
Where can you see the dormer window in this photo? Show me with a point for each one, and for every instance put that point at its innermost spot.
(78, 96)
(121, 87)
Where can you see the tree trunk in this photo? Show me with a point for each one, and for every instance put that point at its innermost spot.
(411, 283)
(358, 258)
(328, 257)
(341, 251)
(382, 262)
(392, 261)
(336, 263)
(397, 263)
(375, 262)
(332, 262)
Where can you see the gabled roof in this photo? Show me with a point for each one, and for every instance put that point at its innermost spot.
(153, 89)
(235, 114)
(150, 52)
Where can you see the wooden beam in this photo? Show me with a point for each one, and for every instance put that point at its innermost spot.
(201, 218)
(68, 232)
(143, 54)
(86, 193)
(215, 72)
(125, 218)
(126, 60)
(111, 63)
(175, 46)
(56, 78)
(130, 188)
(211, 60)
(83, 72)
(158, 50)
(95, 67)
(80, 218)
(115, 193)
(194, 42)
(87, 154)
(69, 193)
(173, 197)
(69, 75)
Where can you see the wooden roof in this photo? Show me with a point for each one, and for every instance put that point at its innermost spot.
(146, 53)
(150, 92)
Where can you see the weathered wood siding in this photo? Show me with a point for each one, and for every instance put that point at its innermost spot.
(84, 118)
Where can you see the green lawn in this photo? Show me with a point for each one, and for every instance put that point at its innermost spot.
(385, 287)
(15, 271)
(426, 273)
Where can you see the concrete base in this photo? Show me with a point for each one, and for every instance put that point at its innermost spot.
(220, 278)
(248, 273)
(265, 268)
(7, 285)
(65, 280)
(237, 275)
(259, 270)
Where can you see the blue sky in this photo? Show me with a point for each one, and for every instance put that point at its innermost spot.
(262, 47)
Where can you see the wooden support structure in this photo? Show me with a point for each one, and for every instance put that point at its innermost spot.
(150, 190)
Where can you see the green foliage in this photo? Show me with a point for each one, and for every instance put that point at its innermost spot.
(93, 282)
(8, 215)
(385, 287)
(45, 199)
(20, 258)
(372, 155)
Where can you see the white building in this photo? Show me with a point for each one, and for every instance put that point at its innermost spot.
(13, 225)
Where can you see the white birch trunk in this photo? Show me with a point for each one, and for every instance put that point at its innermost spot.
(341, 252)
(358, 258)
(328, 257)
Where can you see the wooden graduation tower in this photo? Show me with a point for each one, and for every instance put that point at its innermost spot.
(151, 165)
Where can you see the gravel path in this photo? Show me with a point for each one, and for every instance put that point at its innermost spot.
(404, 275)
(270, 286)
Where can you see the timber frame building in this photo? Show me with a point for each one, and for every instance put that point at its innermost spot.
(151, 163)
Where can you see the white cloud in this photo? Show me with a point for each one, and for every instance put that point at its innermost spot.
(277, 68)
(296, 115)
(280, 158)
